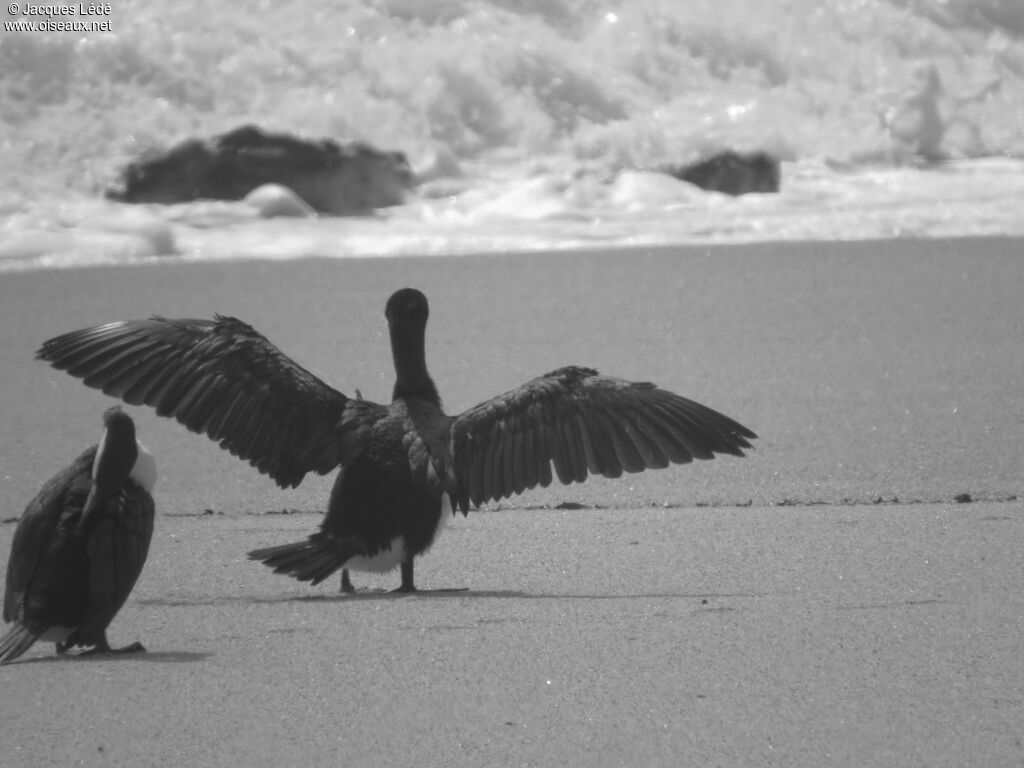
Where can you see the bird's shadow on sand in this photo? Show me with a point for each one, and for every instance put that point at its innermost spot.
(433, 594)
(496, 594)
(165, 657)
(172, 657)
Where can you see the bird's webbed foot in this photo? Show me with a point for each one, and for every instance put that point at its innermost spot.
(102, 646)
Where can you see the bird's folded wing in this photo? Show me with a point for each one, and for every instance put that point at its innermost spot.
(581, 422)
(117, 549)
(34, 535)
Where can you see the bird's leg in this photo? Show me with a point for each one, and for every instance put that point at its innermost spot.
(407, 582)
(346, 582)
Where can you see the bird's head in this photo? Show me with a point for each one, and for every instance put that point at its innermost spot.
(407, 306)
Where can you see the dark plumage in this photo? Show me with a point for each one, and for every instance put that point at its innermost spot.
(80, 546)
(401, 463)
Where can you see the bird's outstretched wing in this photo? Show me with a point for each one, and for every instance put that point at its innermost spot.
(224, 379)
(581, 422)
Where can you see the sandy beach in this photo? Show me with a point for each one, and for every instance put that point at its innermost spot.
(824, 601)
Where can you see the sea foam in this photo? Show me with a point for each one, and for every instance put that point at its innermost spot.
(536, 124)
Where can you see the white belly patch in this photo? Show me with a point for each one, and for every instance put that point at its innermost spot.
(383, 561)
(446, 514)
(387, 559)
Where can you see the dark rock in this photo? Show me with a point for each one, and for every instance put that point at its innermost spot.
(333, 178)
(733, 173)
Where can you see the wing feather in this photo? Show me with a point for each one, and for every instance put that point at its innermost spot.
(569, 447)
(579, 422)
(224, 379)
(543, 450)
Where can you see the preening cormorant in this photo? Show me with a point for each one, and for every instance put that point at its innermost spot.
(402, 465)
(80, 546)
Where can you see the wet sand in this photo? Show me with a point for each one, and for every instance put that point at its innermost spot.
(762, 611)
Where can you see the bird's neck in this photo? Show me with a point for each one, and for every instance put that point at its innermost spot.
(411, 376)
(115, 457)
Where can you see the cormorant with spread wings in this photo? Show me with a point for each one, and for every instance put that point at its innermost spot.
(404, 464)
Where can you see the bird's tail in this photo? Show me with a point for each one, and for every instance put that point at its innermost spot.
(18, 640)
(313, 559)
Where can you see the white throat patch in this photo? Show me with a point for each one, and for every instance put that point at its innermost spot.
(144, 471)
